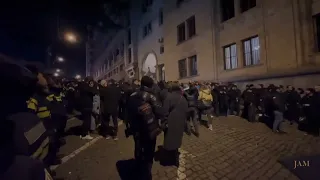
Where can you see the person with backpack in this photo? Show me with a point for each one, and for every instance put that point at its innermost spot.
(205, 100)
(145, 112)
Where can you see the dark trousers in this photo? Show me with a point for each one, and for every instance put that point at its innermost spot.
(86, 118)
(61, 122)
(234, 108)
(105, 124)
(192, 113)
(144, 150)
(293, 113)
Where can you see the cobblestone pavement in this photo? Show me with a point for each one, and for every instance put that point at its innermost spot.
(235, 149)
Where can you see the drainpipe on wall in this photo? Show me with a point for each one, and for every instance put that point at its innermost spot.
(214, 38)
(264, 13)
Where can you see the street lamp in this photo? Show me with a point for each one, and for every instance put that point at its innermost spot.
(70, 37)
(60, 59)
(78, 76)
(56, 74)
(58, 70)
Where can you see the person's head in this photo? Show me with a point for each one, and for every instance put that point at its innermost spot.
(111, 82)
(135, 82)
(162, 85)
(104, 83)
(317, 88)
(175, 87)
(300, 91)
(289, 88)
(310, 91)
(42, 82)
(91, 83)
(147, 81)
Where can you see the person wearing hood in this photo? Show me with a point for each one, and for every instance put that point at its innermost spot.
(206, 99)
(110, 97)
(144, 113)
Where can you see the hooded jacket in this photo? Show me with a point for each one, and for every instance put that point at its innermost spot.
(205, 95)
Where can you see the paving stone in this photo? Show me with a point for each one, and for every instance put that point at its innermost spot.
(235, 149)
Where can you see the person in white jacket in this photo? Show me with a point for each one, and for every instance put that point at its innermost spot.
(95, 111)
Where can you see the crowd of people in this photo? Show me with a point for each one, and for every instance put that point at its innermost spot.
(36, 108)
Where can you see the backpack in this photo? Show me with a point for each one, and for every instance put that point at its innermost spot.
(149, 122)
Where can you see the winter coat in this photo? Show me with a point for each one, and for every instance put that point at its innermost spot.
(176, 108)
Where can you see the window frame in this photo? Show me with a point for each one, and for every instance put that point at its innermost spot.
(160, 17)
(248, 5)
(225, 58)
(185, 70)
(223, 18)
(191, 65)
(129, 55)
(179, 40)
(251, 52)
(161, 49)
(316, 29)
(188, 22)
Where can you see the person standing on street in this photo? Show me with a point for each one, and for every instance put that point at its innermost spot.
(110, 97)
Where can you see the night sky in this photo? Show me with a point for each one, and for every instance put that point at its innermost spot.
(27, 29)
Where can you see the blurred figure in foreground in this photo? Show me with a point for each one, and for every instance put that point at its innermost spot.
(20, 84)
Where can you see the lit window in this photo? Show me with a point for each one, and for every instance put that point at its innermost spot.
(230, 57)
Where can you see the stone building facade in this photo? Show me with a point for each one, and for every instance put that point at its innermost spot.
(242, 41)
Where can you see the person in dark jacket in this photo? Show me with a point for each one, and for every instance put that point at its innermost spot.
(278, 110)
(234, 100)
(110, 97)
(191, 97)
(176, 109)
(17, 80)
(292, 104)
(86, 92)
(145, 111)
(163, 91)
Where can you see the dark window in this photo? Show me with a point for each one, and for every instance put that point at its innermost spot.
(121, 67)
(182, 68)
(193, 67)
(122, 49)
(230, 56)
(161, 72)
(161, 49)
(117, 52)
(129, 36)
(227, 9)
(245, 5)
(129, 55)
(317, 30)
(146, 4)
(191, 24)
(161, 17)
(251, 51)
(181, 32)
(179, 2)
(147, 29)
(114, 71)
